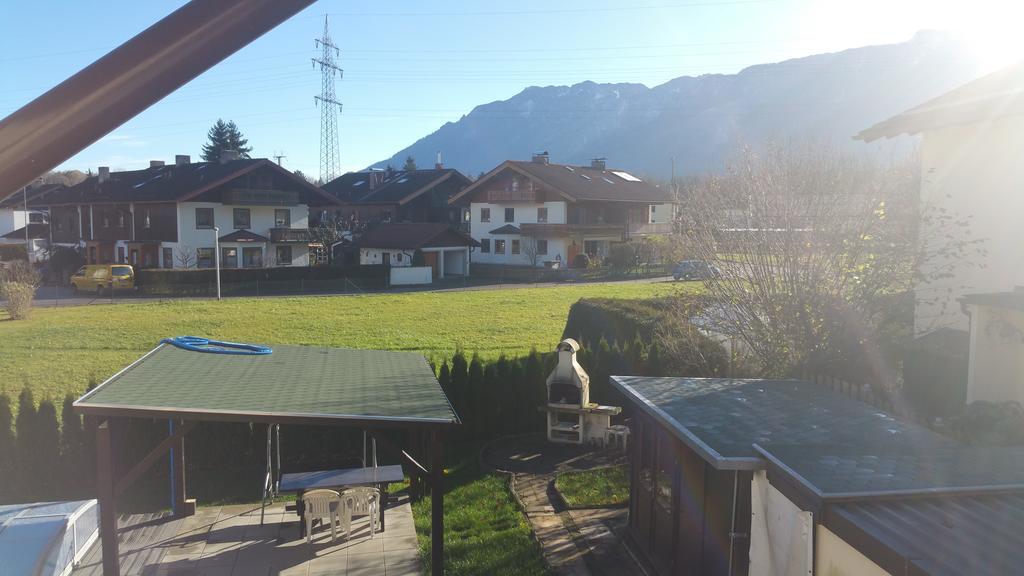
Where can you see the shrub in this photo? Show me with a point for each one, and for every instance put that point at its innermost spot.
(64, 262)
(18, 283)
(581, 260)
(14, 252)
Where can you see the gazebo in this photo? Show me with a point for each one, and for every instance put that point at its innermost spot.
(306, 385)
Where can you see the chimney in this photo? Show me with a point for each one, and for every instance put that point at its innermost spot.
(569, 382)
(541, 157)
(228, 156)
(156, 163)
(597, 163)
(104, 174)
(437, 164)
(181, 159)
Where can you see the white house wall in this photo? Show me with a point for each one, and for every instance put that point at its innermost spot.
(996, 371)
(396, 257)
(11, 220)
(525, 213)
(975, 173)
(834, 557)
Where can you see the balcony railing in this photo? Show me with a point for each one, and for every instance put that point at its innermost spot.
(286, 235)
(647, 229)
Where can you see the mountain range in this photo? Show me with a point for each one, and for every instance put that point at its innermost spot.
(700, 121)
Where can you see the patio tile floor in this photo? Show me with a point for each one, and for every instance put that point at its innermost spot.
(229, 541)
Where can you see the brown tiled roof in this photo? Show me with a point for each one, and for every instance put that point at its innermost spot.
(170, 183)
(34, 193)
(580, 183)
(988, 98)
(397, 188)
(35, 230)
(410, 236)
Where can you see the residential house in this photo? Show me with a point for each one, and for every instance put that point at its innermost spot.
(786, 478)
(15, 216)
(373, 196)
(445, 250)
(541, 214)
(167, 215)
(972, 140)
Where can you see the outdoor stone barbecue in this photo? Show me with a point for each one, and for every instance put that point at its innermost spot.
(571, 417)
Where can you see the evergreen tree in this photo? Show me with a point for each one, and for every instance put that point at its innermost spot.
(410, 164)
(47, 450)
(460, 383)
(225, 136)
(489, 412)
(654, 364)
(474, 386)
(8, 454)
(536, 390)
(445, 379)
(72, 445)
(25, 428)
(517, 420)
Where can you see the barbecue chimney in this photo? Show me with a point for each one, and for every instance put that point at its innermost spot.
(572, 417)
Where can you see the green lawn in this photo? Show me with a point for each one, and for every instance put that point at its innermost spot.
(484, 531)
(599, 487)
(57, 351)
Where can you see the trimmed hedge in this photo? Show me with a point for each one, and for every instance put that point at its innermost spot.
(615, 320)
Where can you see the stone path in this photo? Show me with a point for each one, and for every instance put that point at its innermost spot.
(574, 542)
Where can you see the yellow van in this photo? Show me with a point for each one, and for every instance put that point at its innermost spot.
(99, 277)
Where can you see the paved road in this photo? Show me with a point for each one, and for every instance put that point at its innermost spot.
(54, 296)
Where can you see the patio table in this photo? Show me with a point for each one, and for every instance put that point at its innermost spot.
(299, 482)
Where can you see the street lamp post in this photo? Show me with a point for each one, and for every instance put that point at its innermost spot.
(216, 256)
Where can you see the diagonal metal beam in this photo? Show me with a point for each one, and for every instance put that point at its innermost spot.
(133, 77)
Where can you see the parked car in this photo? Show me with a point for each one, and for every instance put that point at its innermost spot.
(99, 277)
(693, 270)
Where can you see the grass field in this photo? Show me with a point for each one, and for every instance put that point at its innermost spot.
(599, 487)
(59, 350)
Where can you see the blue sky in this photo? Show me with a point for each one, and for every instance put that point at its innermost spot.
(412, 66)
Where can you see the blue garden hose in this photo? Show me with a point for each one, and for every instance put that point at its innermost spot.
(197, 344)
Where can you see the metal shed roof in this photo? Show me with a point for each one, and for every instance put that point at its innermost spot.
(977, 535)
(832, 472)
(721, 419)
(294, 384)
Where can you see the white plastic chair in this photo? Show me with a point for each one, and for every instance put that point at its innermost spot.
(360, 501)
(321, 504)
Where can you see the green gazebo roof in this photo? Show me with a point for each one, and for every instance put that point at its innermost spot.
(294, 384)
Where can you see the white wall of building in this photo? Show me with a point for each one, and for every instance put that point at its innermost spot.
(996, 370)
(660, 213)
(11, 220)
(396, 257)
(261, 220)
(975, 173)
(834, 557)
(525, 213)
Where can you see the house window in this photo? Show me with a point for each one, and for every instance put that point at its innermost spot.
(168, 258)
(120, 254)
(485, 245)
(485, 214)
(252, 257)
(241, 218)
(398, 257)
(515, 185)
(145, 220)
(499, 246)
(57, 225)
(542, 215)
(515, 246)
(542, 247)
(204, 258)
(284, 255)
(283, 218)
(120, 218)
(510, 214)
(106, 220)
(229, 257)
(204, 218)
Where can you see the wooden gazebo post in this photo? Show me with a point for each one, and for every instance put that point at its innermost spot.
(107, 499)
(436, 504)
